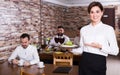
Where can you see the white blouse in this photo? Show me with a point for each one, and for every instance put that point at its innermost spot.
(29, 54)
(102, 34)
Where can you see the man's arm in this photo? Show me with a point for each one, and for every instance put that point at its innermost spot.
(13, 56)
(15, 61)
(35, 56)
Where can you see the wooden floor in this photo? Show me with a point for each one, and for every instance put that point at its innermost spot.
(113, 65)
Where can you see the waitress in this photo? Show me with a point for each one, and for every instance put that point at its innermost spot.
(97, 41)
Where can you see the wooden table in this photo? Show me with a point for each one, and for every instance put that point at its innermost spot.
(48, 57)
(9, 69)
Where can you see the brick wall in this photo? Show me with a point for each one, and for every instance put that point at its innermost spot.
(40, 21)
(17, 17)
(70, 17)
(51, 17)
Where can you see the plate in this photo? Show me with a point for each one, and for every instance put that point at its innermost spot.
(76, 53)
(58, 52)
(67, 46)
(41, 66)
(47, 51)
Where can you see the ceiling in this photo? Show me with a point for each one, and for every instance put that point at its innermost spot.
(82, 2)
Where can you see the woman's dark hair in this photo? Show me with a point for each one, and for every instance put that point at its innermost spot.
(24, 35)
(95, 4)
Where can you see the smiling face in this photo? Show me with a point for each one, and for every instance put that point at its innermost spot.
(95, 14)
(95, 10)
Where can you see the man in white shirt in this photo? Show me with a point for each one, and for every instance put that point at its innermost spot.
(26, 53)
(77, 38)
(58, 39)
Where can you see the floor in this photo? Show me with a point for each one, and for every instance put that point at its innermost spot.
(113, 65)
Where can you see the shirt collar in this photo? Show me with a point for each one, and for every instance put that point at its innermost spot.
(60, 36)
(97, 25)
(25, 48)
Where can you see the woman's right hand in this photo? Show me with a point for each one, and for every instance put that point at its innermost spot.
(94, 44)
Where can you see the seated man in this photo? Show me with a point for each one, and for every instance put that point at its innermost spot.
(26, 53)
(77, 42)
(77, 38)
(58, 39)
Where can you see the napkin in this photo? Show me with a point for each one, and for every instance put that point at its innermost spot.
(62, 70)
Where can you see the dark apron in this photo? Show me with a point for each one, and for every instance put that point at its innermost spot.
(92, 64)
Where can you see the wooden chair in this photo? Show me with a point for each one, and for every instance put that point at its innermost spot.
(63, 59)
(22, 72)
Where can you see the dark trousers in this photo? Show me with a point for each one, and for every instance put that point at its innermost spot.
(92, 64)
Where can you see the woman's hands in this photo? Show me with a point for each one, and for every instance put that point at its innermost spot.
(94, 44)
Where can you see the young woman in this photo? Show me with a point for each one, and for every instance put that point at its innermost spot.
(97, 41)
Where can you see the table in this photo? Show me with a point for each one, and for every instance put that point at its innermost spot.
(48, 57)
(9, 69)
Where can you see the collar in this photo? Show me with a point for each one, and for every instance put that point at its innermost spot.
(25, 48)
(60, 36)
(97, 25)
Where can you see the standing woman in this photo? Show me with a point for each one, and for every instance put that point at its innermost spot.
(97, 41)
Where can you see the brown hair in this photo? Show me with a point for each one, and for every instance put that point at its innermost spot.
(24, 35)
(95, 4)
(60, 27)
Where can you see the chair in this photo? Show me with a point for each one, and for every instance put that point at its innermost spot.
(22, 72)
(63, 59)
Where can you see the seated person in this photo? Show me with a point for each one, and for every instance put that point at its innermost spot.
(58, 39)
(77, 42)
(77, 38)
(26, 53)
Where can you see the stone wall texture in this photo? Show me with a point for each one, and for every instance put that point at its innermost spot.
(70, 17)
(17, 17)
(40, 20)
